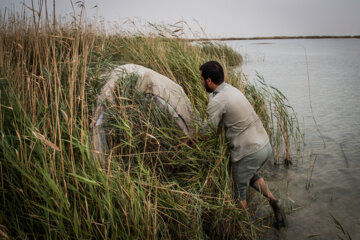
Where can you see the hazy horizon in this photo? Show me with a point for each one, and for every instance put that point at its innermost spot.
(230, 18)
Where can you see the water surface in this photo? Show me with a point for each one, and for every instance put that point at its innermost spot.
(333, 67)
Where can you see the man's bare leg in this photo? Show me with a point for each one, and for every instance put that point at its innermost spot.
(242, 204)
(261, 187)
(280, 216)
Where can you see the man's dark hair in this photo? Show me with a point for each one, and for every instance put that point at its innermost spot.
(212, 70)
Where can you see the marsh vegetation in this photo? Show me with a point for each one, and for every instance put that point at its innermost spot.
(52, 185)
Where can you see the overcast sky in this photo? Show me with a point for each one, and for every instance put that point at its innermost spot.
(228, 18)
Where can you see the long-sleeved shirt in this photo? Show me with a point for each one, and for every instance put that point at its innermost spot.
(244, 130)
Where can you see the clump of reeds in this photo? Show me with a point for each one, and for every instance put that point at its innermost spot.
(231, 57)
(278, 118)
(51, 184)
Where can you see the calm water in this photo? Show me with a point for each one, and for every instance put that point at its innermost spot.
(334, 71)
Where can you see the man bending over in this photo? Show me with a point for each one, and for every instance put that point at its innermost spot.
(249, 142)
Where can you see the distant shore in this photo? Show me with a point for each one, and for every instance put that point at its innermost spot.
(270, 38)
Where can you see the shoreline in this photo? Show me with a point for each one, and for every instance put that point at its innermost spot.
(271, 38)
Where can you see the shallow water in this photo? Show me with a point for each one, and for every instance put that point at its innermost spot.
(334, 75)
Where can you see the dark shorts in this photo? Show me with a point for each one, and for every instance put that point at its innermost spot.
(245, 171)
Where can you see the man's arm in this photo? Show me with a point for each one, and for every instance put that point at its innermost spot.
(215, 111)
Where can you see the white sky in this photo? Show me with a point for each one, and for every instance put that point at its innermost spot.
(227, 18)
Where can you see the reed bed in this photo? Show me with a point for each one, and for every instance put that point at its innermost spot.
(53, 187)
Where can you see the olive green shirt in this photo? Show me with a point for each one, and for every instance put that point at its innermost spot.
(244, 130)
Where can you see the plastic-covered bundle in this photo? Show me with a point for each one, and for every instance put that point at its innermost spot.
(167, 95)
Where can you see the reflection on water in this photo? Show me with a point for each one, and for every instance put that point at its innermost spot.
(334, 70)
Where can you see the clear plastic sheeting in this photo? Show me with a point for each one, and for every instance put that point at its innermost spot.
(167, 95)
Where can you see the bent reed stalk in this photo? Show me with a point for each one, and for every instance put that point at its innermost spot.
(51, 184)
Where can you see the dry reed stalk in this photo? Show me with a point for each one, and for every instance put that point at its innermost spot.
(310, 102)
(310, 170)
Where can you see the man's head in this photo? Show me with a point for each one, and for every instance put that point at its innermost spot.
(212, 75)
